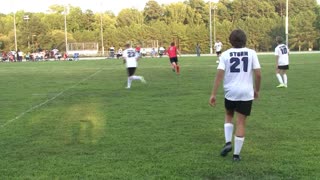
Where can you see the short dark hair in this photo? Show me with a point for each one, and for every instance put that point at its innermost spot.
(128, 45)
(279, 39)
(238, 38)
(172, 44)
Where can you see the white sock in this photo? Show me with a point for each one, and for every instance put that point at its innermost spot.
(228, 131)
(285, 79)
(238, 142)
(136, 77)
(129, 82)
(279, 78)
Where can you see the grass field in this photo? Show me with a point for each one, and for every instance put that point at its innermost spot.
(75, 120)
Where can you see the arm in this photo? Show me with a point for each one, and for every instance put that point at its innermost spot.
(257, 82)
(178, 52)
(217, 82)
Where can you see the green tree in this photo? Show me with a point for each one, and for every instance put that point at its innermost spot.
(127, 17)
(152, 11)
(302, 31)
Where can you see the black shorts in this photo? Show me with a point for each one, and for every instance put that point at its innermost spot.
(218, 53)
(131, 71)
(242, 107)
(174, 60)
(285, 67)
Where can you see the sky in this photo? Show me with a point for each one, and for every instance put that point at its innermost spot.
(8, 6)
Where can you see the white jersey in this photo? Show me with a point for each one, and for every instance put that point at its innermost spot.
(238, 64)
(282, 52)
(130, 57)
(218, 46)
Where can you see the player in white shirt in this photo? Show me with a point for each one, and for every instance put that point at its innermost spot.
(218, 47)
(237, 68)
(130, 58)
(282, 62)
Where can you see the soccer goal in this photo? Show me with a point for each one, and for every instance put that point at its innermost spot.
(83, 49)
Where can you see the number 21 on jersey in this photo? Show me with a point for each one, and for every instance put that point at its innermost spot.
(236, 64)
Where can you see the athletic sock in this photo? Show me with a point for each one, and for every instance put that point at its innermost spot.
(129, 82)
(285, 79)
(178, 69)
(238, 142)
(228, 131)
(279, 78)
(136, 77)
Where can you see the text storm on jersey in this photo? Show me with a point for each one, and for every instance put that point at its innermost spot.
(238, 54)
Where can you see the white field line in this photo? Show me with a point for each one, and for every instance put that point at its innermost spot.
(48, 100)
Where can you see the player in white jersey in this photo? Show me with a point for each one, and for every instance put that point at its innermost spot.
(237, 68)
(130, 58)
(218, 47)
(282, 62)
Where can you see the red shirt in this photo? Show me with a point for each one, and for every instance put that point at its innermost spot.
(172, 51)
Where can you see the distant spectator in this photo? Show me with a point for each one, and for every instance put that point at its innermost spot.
(76, 56)
(153, 53)
(19, 55)
(54, 51)
(138, 49)
(65, 56)
(28, 56)
(143, 52)
(111, 52)
(161, 51)
(4, 56)
(46, 55)
(198, 49)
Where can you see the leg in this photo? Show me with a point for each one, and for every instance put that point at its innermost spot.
(241, 122)
(129, 81)
(130, 72)
(218, 57)
(228, 126)
(239, 136)
(177, 68)
(285, 77)
(278, 74)
(228, 131)
(173, 66)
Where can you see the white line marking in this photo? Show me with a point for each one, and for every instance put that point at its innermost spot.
(48, 100)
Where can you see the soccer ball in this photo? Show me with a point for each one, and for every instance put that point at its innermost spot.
(217, 61)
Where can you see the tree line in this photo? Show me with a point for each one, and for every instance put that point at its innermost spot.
(186, 23)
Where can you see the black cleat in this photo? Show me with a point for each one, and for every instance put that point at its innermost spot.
(236, 158)
(226, 149)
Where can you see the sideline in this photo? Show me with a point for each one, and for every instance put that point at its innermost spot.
(183, 55)
(49, 100)
(205, 55)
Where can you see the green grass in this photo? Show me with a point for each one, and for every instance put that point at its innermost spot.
(75, 120)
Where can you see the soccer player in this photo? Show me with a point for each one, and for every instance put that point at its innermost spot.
(172, 53)
(218, 47)
(130, 58)
(282, 62)
(237, 67)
